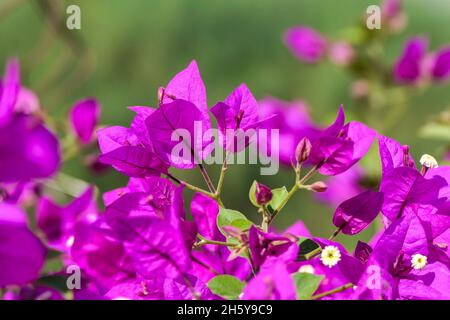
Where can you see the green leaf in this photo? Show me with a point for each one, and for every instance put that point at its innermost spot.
(251, 194)
(226, 286)
(306, 246)
(52, 266)
(58, 282)
(232, 218)
(278, 195)
(306, 284)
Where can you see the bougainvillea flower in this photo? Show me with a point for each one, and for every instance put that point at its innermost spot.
(293, 122)
(236, 116)
(138, 126)
(362, 251)
(160, 288)
(391, 8)
(340, 146)
(155, 246)
(205, 210)
(155, 197)
(407, 67)
(267, 245)
(34, 293)
(390, 261)
(347, 269)
(84, 117)
(134, 161)
(355, 214)
(121, 149)
(22, 254)
(152, 196)
(212, 260)
(436, 224)
(442, 172)
(341, 53)
(9, 91)
(298, 229)
(188, 85)
(176, 130)
(305, 43)
(33, 153)
(102, 258)
(273, 283)
(404, 186)
(393, 155)
(58, 222)
(27, 102)
(433, 282)
(441, 64)
(154, 229)
(342, 187)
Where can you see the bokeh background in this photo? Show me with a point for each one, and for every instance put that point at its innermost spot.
(127, 49)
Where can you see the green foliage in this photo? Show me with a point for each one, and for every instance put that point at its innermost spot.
(306, 246)
(306, 284)
(232, 218)
(278, 195)
(226, 286)
(251, 194)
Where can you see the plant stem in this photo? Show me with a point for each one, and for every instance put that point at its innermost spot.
(336, 290)
(313, 253)
(266, 218)
(222, 176)
(284, 202)
(299, 184)
(336, 232)
(197, 189)
(190, 186)
(310, 173)
(252, 264)
(208, 181)
(204, 241)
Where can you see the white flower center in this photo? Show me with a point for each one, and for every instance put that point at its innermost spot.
(418, 261)
(428, 161)
(307, 268)
(330, 256)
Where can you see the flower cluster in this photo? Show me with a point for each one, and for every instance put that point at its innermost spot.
(414, 65)
(145, 245)
(380, 90)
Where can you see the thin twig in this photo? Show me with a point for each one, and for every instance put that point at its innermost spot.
(208, 181)
(336, 290)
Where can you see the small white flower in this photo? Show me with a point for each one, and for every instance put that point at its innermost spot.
(418, 261)
(330, 256)
(307, 268)
(428, 161)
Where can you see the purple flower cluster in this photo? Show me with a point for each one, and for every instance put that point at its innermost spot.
(415, 65)
(145, 245)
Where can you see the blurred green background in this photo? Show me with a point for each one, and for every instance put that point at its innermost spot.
(127, 49)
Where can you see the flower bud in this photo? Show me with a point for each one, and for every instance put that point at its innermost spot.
(303, 150)
(342, 53)
(406, 156)
(263, 194)
(319, 186)
(161, 91)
